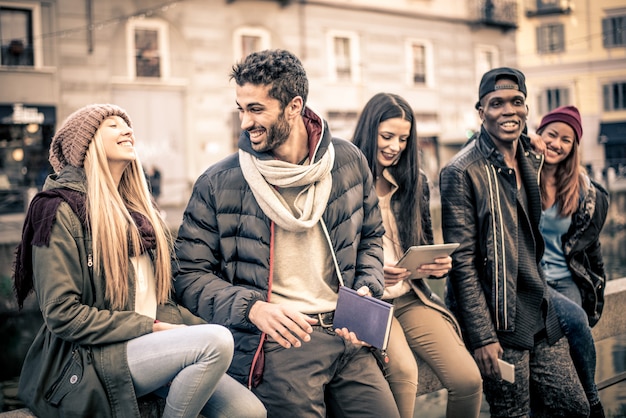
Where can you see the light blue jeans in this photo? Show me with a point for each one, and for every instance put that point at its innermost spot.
(187, 366)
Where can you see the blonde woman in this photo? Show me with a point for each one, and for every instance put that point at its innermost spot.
(97, 255)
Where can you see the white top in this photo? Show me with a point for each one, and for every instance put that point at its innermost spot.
(145, 287)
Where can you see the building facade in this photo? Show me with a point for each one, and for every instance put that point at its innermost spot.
(168, 64)
(574, 52)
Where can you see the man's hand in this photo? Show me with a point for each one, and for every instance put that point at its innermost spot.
(286, 326)
(487, 360)
(349, 335)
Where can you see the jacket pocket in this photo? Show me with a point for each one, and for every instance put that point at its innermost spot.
(70, 378)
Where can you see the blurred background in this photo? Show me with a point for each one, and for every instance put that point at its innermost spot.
(168, 62)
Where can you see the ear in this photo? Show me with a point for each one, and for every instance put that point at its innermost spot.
(481, 113)
(294, 108)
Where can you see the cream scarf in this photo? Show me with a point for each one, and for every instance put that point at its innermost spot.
(310, 203)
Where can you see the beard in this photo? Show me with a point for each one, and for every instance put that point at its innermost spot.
(277, 134)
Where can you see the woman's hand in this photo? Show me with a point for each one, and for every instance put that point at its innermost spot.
(536, 142)
(394, 274)
(164, 326)
(439, 268)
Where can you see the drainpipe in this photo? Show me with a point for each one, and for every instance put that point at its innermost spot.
(90, 28)
(302, 18)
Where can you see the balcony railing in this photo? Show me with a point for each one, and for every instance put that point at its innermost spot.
(548, 7)
(496, 13)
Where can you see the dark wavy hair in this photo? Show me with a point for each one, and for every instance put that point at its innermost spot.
(277, 68)
(406, 202)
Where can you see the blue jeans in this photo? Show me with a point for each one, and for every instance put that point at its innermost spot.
(566, 299)
(187, 366)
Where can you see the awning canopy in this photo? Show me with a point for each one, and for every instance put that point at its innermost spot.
(19, 113)
(613, 133)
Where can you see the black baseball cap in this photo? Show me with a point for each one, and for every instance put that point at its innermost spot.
(488, 82)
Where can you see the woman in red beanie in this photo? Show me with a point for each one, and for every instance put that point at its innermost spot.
(96, 253)
(574, 211)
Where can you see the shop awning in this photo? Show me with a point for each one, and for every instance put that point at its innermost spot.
(25, 113)
(613, 133)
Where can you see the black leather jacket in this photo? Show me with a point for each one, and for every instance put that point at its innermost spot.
(479, 211)
(581, 246)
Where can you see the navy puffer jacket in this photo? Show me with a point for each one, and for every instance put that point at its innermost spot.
(223, 245)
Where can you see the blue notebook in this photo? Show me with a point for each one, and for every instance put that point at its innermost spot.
(369, 318)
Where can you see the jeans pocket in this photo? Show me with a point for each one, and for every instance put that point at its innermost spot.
(70, 378)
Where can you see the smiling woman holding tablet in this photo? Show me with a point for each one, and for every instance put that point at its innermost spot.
(422, 324)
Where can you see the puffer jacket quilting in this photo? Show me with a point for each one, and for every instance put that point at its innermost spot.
(223, 245)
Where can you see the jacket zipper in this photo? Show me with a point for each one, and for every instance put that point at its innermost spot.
(499, 250)
(259, 349)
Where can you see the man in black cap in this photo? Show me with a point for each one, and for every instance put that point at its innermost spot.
(491, 205)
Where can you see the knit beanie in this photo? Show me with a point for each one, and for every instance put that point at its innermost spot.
(565, 114)
(69, 144)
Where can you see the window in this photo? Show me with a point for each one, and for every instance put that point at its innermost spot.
(248, 40)
(614, 96)
(550, 38)
(149, 50)
(614, 31)
(551, 98)
(343, 57)
(487, 57)
(342, 123)
(19, 28)
(419, 62)
(549, 4)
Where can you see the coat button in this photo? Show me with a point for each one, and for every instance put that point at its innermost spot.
(73, 379)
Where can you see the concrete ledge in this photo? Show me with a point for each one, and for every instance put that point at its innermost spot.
(150, 406)
(427, 380)
(612, 323)
(613, 320)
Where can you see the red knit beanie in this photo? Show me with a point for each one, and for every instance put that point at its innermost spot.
(70, 143)
(565, 114)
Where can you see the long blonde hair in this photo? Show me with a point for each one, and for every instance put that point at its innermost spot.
(113, 229)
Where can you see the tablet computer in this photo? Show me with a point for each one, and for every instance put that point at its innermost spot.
(417, 255)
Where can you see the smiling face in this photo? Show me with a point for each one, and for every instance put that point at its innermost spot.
(504, 113)
(118, 142)
(559, 138)
(392, 141)
(262, 116)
